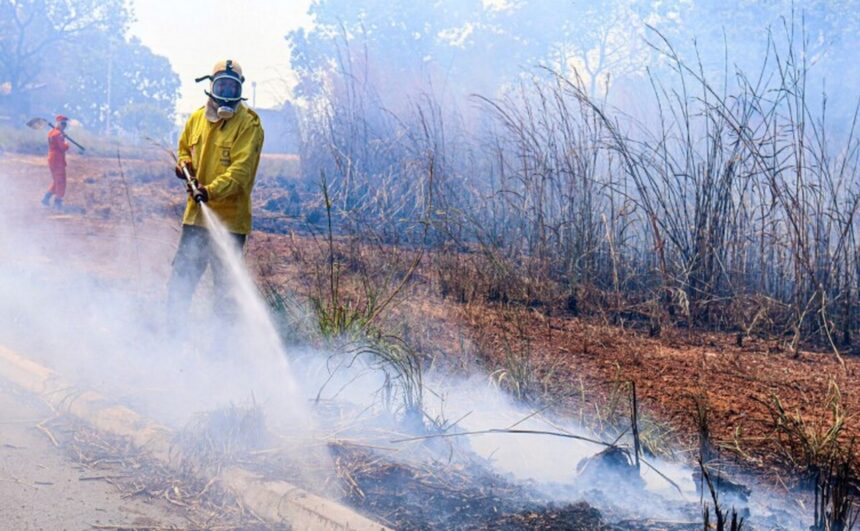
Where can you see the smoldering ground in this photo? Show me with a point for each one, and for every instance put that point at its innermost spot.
(543, 180)
(88, 300)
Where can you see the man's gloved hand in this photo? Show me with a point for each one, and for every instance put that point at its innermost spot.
(201, 195)
(178, 169)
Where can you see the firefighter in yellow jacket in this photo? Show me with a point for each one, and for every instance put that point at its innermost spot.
(220, 147)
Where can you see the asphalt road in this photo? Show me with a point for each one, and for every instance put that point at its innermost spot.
(41, 488)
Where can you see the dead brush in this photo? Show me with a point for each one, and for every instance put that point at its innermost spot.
(835, 495)
(701, 416)
(214, 438)
(289, 316)
(706, 208)
(824, 456)
(350, 324)
(709, 462)
(611, 417)
(726, 521)
(520, 376)
(456, 273)
(750, 315)
(133, 472)
(518, 372)
(401, 366)
(343, 318)
(809, 447)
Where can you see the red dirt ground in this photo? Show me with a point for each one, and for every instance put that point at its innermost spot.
(575, 358)
(671, 371)
(567, 354)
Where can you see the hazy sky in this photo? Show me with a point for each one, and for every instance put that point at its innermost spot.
(195, 34)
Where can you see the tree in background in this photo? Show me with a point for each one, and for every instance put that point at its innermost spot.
(32, 31)
(477, 46)
(599, 42)
(114, 80)
(144, 119)
(406, 41)
(481, 46)
(74, 56)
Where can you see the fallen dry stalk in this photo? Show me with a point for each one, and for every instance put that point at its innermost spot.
(117, 462)
(539, 432)
(41, 427)
(498, 430)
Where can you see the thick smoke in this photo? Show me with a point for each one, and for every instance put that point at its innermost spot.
(91, 303)
(78, 301)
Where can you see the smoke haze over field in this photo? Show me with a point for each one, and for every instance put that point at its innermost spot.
(645, 164)
(89, 303)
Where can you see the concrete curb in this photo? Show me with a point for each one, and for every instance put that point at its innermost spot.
(278, 502)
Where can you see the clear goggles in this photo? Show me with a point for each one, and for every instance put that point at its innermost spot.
(226, 88)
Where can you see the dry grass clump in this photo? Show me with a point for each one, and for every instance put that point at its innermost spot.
(214, 438)
(824, 456)
(135, 474)
(725, 520)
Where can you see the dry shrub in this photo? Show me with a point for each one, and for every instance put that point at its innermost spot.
(825, 457)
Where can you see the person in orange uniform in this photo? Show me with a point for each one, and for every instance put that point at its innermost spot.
(57, 147)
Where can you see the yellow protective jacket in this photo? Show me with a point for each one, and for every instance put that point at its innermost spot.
(225, 155)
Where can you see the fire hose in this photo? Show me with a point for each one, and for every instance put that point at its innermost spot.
(196, 193)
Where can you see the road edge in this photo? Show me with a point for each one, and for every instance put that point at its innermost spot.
(276, 501)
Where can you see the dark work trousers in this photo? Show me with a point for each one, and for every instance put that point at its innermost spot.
(196, 251)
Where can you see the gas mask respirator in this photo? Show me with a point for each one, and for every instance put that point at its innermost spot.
(225, 90)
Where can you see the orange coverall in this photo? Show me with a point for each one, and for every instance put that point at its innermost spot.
(57, 147)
